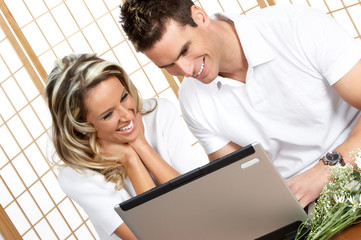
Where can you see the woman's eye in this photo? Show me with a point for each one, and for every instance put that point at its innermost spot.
(108, 115)
(124, 97)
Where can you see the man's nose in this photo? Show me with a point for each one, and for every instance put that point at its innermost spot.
(185, 67)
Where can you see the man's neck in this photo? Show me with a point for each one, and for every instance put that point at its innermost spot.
(233, 63)
(238, 73)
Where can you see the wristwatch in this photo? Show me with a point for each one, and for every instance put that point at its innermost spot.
(332, 158)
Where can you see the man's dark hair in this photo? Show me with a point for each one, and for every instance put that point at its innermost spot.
(144, 20)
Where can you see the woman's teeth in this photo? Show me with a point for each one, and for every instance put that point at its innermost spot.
(200, 70)
(127, 127)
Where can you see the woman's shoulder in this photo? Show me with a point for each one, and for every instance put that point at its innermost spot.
(165, 104)
(67, 172)
(155, 102)
(158, 121)
(160, 106)
(75, 181)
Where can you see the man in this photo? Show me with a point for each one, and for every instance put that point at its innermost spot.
(288, 77)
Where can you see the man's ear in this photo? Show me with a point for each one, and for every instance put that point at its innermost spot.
(200, 17)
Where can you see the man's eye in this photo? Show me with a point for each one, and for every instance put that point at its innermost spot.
(185, 50)
(124, 97)
(108, 115)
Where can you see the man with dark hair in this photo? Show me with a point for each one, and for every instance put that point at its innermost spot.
(145, 21)
(285, 76)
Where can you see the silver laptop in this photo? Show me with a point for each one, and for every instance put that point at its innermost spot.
(239, 196)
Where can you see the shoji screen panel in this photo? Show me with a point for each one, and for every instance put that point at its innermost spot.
(346, 12)
(33, 34)
(235, 6)
(29, 191)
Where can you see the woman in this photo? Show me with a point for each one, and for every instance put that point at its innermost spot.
(111, 143)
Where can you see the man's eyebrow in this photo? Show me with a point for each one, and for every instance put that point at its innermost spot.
(183, 49)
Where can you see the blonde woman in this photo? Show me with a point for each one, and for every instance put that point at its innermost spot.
(112, 145)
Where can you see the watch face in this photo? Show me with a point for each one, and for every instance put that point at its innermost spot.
(333, 157)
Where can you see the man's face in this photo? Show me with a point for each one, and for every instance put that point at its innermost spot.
(186, 51)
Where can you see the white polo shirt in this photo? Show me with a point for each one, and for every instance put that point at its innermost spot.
(288, 105)
(166, 133)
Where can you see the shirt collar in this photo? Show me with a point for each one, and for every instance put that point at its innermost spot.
(255, 48)
(219, 81)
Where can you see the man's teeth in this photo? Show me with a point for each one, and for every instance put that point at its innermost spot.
(200, 70)
(126, 127)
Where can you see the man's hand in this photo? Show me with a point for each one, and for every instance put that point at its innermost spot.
(307, 186)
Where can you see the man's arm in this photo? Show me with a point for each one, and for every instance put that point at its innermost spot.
(229, 148)
(308, 185)
(349, 87)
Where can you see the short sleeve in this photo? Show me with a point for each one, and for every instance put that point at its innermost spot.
(331, 49)
(96, 196)
(198, 111)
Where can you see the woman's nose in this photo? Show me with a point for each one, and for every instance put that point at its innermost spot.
(125, 113)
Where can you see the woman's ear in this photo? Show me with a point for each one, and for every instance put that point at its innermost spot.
(80, 133)
(200, 17)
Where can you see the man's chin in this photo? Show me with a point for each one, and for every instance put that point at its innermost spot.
(206, 80)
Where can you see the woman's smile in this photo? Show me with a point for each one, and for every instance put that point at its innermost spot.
(127, 129)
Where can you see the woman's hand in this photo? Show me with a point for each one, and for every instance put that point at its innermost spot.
(134, 167)
(140, 140)
(160, 169)
(127, 155)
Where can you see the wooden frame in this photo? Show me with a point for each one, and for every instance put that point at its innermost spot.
(7, 228)
(15, 42)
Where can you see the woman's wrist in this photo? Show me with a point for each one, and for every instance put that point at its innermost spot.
(131, 161)
(139, 144)
(138, 175)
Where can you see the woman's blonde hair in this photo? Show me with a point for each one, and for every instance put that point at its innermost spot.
(74, 138)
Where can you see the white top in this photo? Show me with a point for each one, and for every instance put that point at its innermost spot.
(165, 132)
(288, 105)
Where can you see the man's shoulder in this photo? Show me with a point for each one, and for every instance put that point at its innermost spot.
(283, 12)
(287, 8)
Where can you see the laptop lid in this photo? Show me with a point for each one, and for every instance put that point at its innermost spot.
(238, 196)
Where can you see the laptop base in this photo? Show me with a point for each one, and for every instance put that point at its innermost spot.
(287, 232)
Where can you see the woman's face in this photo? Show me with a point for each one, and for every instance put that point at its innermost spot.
(112, 112)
